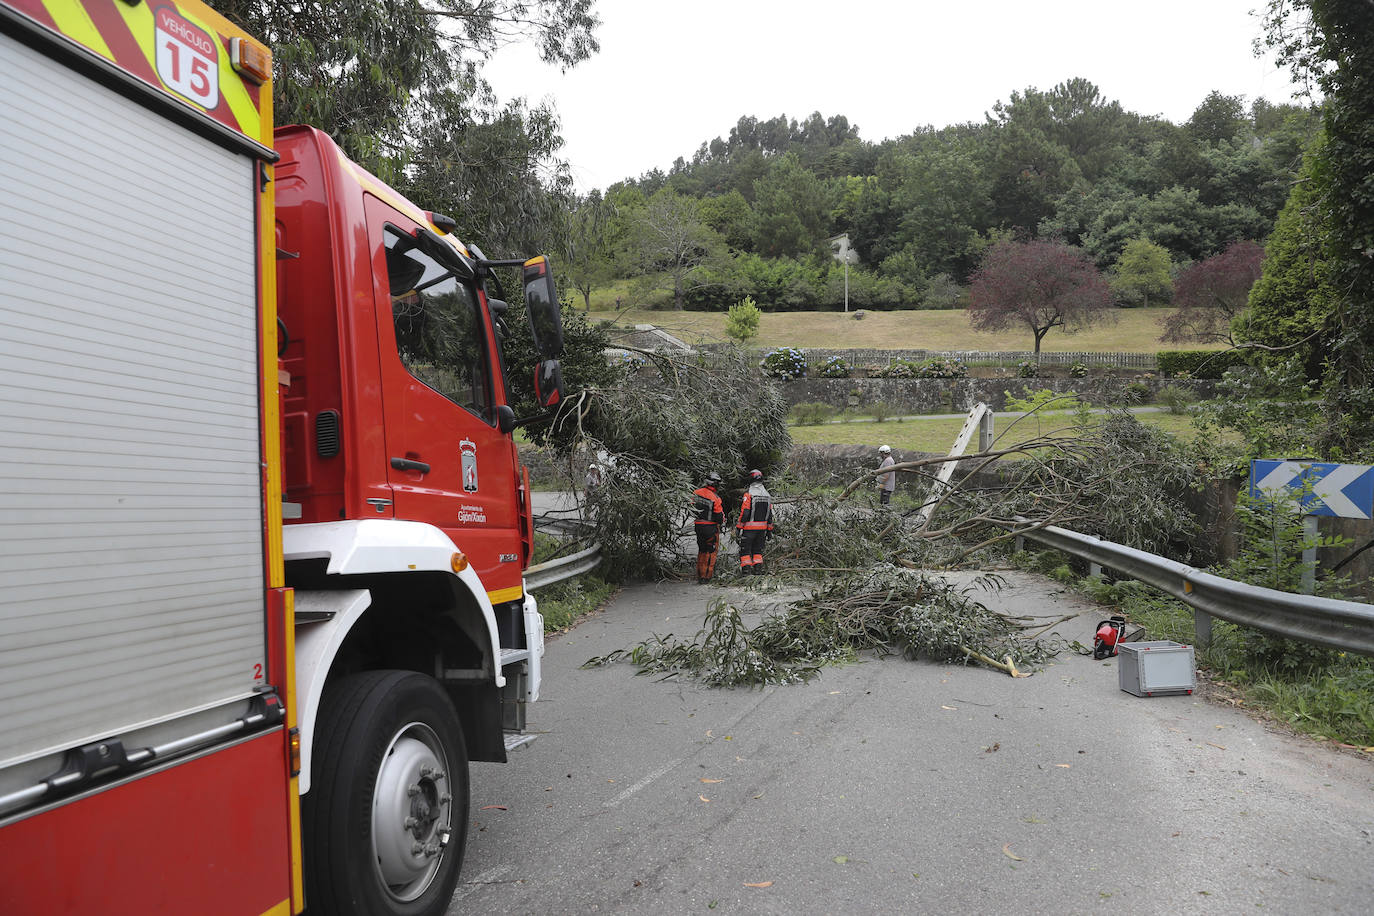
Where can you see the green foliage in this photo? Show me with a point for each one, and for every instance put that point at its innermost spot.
(897, 368)
(835, 367)
(1027, 368)
(1177, 398)
(884, 610)
(1078, 370)
(583, 362)
(1332, 49)
(742, 321)
(1272, 408)
(562, 604)
(418, 111)
(1293, 298)
(1138, 392)
(1142, 276)
(784, 363)
(1201, 364)
(811, 413)
(661, 434)
(941, 367)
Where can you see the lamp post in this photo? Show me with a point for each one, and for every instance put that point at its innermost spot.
(839, 246)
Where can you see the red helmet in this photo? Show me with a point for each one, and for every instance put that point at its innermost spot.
(756, 475)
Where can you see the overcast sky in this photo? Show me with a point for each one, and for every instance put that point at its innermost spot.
(672, 75)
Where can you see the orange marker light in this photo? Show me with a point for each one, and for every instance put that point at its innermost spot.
(459, 562)
(251, 61)
(295, 748)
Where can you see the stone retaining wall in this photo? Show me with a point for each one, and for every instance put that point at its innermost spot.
(939, 395)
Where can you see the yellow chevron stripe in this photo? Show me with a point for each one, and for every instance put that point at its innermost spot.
(140, 21)
(73, 21)
(501, 596)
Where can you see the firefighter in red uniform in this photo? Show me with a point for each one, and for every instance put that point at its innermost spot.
(709, 513)
(754, 525)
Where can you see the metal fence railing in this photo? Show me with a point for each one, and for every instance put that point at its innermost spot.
(1344, 625)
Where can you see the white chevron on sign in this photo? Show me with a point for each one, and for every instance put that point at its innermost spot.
(1330, 488)
(1279, 479)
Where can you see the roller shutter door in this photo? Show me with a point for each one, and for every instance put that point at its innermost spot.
(131, 573)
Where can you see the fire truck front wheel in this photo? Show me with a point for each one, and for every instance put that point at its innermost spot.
(385, 819)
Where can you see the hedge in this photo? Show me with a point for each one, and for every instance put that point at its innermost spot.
(1203, 364)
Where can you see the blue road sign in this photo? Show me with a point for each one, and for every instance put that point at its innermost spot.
(1342, 490)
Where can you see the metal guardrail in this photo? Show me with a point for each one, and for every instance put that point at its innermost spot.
(562, 568)
(541, 574)
(1344, 625)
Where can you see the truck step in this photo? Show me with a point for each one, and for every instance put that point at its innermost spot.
(511, 656)
(516, 740)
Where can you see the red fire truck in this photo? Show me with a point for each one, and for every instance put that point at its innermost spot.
(261, 556)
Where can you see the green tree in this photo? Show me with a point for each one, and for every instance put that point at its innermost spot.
(590, 250)
(1293, 299)
(671, 241)
(730, 215)
(363, 71)
(1327, 42)
(1142, 275)
(497, 173)
(742, 321)
(1219, 117)
(791, 210)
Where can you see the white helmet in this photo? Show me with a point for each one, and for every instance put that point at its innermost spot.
(884, 449)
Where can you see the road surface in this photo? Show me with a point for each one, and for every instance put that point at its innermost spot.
(899, 786)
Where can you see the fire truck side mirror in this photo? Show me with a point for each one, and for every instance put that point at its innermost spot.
(548, 383)
(541, 298)
(505, 419)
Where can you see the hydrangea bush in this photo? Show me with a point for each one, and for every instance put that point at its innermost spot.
(785, 363)
(835, 367)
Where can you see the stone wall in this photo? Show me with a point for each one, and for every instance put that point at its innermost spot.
(939, 395)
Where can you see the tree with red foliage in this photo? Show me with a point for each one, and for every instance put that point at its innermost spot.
(1040, 285)
(1213, 292)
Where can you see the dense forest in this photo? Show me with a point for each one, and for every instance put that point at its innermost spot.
(754, 212)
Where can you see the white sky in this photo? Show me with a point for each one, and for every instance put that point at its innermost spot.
(672, 75)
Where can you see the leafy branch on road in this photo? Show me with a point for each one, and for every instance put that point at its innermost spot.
(885, 610)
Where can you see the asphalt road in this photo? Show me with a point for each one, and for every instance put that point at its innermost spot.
(893, 786)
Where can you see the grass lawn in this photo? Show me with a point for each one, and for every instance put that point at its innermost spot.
(937, 434)
(1136, 331)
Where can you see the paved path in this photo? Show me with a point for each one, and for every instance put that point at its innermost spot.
(896, 786)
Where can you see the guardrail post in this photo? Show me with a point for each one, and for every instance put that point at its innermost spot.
(1309, 554)
(1202, 629)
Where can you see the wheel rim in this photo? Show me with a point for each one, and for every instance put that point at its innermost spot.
(412, 811)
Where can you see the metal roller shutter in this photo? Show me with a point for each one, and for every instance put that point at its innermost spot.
(131, 572)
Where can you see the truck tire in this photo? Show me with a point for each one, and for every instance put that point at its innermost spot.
(385, 819)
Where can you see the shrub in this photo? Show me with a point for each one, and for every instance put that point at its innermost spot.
(1137, 392)
(1027, 369)
(941, 367)
(1177, 398)
(811, 413)
(1205, 364)
(898, 368)
(742, 321)
(835, 367)
(1078, 370)
(784, 363)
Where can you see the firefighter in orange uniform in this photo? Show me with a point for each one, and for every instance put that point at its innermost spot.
(709, 514)
(754, 525)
